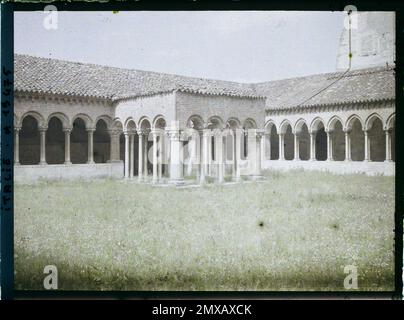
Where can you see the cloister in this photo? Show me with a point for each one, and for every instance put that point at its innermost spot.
(169, 129)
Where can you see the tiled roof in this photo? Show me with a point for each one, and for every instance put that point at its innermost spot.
(362, 85)
(33, 74)
(42, 75)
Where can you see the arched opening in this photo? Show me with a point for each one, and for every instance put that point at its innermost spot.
(321, 143)
(29, 141)
(79, 142)
(304, 143)
(102, 142)
(162, 145)
(338, 142)
(289, 143)
(274, 138)
(377, 141)
(55, 142)
(357, 141)
(145, 126)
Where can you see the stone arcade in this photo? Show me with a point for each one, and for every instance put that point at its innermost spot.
(81, 120)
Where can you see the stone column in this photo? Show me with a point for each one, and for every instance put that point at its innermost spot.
(131, 155)
(114, 146)
(160, 157)
(176, 165)
(140, 151)
(146, 155)
(42, 146)
(262, 151)
(67, 145)
(90, 146)
(127, 153)
(155, 173)
(268, 146)
(257, 165)
(347, 145)
(312, 146)
(388, 146)
(204, 155)
(209, 162)
(367, 145)
(219, 155)
(17, 146)
(297, 156)
(281, 146)
(238, 134)
(330, 156)
(234, 155)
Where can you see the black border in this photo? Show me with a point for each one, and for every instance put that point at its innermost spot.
(7, 134)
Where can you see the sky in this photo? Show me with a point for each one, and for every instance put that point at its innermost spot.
(242, 46)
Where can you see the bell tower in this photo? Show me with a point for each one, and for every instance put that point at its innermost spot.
(372, 41)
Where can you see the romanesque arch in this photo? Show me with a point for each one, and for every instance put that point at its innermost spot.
(376, 136)
(162, 144)
(55, 141)
(79, 141)
(29, 140)
(288, 140)
(102, 142)
(357, 138)
(304, 140)
(338, 139)
(391, 127)
(145, 126)
(274, 140)
(267, 140)
(320, 140)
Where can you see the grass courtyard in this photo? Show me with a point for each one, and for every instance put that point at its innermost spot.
(294, 231)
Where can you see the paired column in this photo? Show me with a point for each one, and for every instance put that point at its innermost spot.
(367, 145)
(347, 145)
(127, 154)
(155, 164)
(312, 146)
(141, 136)
(176, 161)
(17, 146)
(42, 133)
(90, 133)
(388, 146)
(330, 156)
(281, 146)
(205, 156)
(258, 159)
(67, 132)
(237, 148)
(219, 155)
(131, 155)
(297, 152)
(114, 153)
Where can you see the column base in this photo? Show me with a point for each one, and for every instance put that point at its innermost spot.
(114, 161)
(256, 177)
(90, 162)
(388, 161)
(348, 160)
(67, 163)
(178, 182)
(17, 164)
(42, 163)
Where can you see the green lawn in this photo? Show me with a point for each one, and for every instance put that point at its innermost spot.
(295, 231)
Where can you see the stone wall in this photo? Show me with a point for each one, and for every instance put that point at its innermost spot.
(33, 173)
(224, 107)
